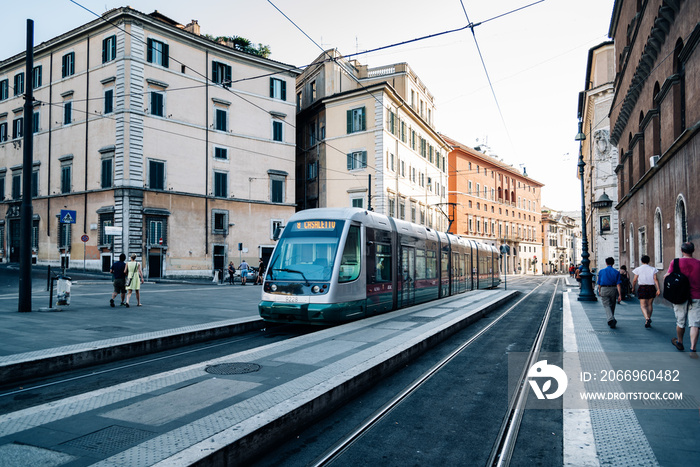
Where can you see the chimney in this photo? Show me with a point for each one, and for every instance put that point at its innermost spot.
(193, 27)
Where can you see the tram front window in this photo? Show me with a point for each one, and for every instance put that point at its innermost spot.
(306, 251)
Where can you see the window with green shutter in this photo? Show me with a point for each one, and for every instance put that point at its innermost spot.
(278, 89)
(157, 52)
(109, 49)
(356, 120)
(357, 160)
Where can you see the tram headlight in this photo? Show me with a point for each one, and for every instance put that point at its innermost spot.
(273, 287)
(315, 289)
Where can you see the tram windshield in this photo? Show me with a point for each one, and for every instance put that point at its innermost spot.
(306, 251)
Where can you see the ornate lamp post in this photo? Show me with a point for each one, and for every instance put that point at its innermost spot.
(586, 294)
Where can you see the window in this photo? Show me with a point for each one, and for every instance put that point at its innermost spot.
(157, 53)
(106, 220)
(356, 120)
(312, 89)
(35, 183)
(220, 153)
(278, 89)
(17, 185)
(277, 130)
(3, 132)
(357, 160)
(66, 178)
(109, 101)
(220, 184)
(36, 77)
(19, 84)
(68, 65)
(357, 202)
(35, 122)
(67, 112)
(350, 261)
(17, 127)
(299, 96)
(277, 185)
(157, 103)
(109, 49)
(156, 231)
(4, 89)
(221, 120)
(219, 222)
(107, 173)
(156, 175)
(312, 170)
(221, 74)
(658, 239)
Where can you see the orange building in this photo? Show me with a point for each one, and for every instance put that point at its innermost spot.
(492, 202)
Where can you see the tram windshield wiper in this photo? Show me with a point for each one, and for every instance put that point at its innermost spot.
(296, 272)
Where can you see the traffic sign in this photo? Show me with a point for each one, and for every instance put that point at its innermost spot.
(84, 238)
(67, 216)
(160, 241)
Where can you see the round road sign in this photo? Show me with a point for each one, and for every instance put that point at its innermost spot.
(84, 238)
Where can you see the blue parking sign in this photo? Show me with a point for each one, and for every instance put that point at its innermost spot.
(67, 216)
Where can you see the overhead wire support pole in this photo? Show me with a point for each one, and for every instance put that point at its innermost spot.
(26, 212)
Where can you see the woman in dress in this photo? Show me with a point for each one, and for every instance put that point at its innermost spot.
(649, 288)
(134, 277)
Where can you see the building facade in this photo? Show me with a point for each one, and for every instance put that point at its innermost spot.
(600, 179)
(366, 138)
(654, 120)
(493, 203)
(159, 141)
(559, 246)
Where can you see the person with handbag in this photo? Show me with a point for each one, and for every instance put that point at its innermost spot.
(134, 279)
(649, 288)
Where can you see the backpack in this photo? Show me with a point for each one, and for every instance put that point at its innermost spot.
(676, 285)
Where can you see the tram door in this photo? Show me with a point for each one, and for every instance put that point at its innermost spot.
(456, 273)
(407, 276)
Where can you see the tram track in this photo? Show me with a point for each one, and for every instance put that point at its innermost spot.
(507, 434)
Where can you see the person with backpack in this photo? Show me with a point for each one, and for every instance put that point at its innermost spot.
(609, 289)
(687, 311)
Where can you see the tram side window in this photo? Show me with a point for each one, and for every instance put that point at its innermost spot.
(383, 262)
(350, 263)
(431, 265)
(420, 264)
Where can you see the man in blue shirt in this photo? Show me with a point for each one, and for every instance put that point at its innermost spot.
(609, 289)
(119, 281)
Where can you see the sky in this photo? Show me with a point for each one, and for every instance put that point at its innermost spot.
(535, 57)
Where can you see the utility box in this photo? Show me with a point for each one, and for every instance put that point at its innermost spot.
(63, 284)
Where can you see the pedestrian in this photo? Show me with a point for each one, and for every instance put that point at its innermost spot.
(689, 311)
(231, 272)
(625, 286)
(118, 279)
(261, 272)
(134, 279)
(649, 288)
(609, 290)
(244, 271)
(577, 273)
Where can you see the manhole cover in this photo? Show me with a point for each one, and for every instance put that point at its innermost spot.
(108, 440)
(232, 368)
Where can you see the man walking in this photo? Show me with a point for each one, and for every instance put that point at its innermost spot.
(609, 290)
(119, 280)
(688, 311)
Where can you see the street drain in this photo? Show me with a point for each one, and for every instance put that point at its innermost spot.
(232, 368)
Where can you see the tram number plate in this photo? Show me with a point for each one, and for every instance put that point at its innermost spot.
(295, 299)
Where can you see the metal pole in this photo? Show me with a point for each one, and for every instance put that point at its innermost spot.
(586, 293)
(26, 212)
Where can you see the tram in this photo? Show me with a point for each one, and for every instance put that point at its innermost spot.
(333, 265)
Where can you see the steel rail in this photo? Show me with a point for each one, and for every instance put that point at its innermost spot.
(341, 446)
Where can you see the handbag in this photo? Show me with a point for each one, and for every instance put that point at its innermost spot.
(128, 281)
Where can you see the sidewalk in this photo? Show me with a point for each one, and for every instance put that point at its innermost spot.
(89, 330)
(629, 432)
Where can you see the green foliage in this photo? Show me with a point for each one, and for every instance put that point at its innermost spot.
(241, 44)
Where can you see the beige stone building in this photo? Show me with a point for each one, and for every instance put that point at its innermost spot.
(559, 234)
(494, 203)
(366, 138)
(143, 125)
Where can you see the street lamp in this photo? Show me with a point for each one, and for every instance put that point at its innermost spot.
(586, 293)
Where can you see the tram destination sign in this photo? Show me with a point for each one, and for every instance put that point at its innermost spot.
(315, 225)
